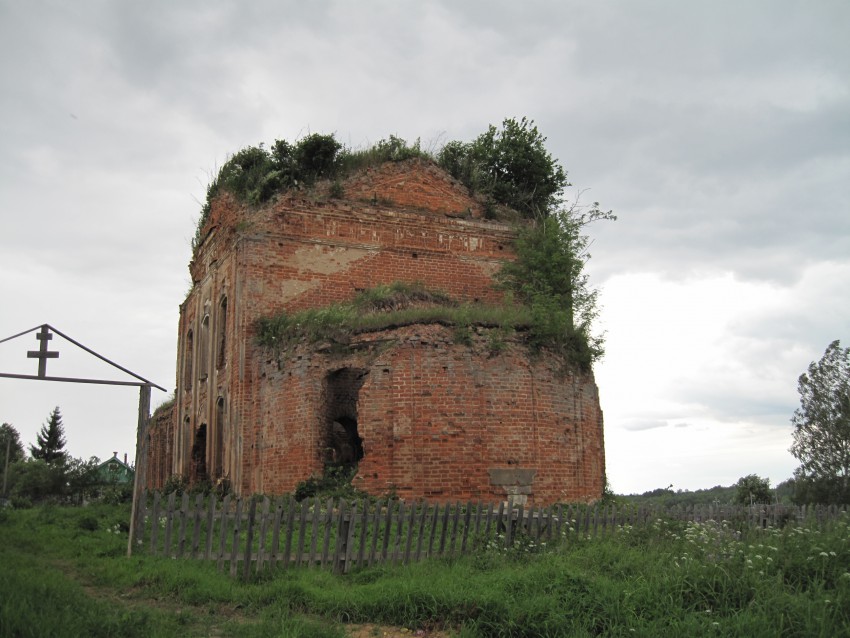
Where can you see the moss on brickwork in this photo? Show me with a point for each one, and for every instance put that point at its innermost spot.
(385, 307)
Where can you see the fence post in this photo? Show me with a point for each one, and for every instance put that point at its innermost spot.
(509, 523)
(341, 538)
(364, 527)
(274, 553)
(140, 475)
(304, 507)
(376, 523)
(249, 538)
(435, 517)
(154, 523)
(222, 531)
(466, 523)
(234, 548)
(169, 524)
(388, 526)
(444, 527)
(184, 514)
(349, 538)
(328, 526)
(396, 544)
(317, 513)
(264, 528)
(210, 526)
(196, 530)
(289, 531)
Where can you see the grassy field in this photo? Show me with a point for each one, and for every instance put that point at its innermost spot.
(63, 572)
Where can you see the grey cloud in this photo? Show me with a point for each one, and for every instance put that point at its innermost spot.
(644, 424)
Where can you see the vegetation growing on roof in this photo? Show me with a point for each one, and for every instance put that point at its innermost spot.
(509, 166)
(395, 305)
(506, 167)
(254, 174)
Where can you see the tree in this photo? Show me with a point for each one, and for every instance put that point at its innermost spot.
(822, 427)
(785, 492)
(35, 480)
(82, 478)
(11, 451)
(50, 446)
(10, 439)
(510, 166)
(753, 489)
(548, 276)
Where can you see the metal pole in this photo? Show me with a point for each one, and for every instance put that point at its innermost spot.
(140, 479)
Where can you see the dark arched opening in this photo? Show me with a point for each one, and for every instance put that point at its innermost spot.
(342, 444)
(199, 456)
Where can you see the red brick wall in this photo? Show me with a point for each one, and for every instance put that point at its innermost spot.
(416, 184)
(160, 447)
(436, 417)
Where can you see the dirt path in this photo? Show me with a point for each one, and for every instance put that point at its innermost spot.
(376, 631)
(218, 615)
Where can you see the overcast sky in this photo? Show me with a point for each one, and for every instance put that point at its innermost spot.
(718, 132)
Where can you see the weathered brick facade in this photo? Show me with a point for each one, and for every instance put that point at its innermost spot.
(433, 418)
(161, 442)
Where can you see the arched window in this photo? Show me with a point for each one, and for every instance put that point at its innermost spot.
(198, 465)
(221, 341)
(188, 352)
(185, 439)
(203, 363)
(218, 441)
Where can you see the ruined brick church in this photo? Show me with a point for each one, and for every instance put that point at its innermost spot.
(418, 411)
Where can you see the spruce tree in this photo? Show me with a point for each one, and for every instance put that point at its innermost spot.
(50, 441)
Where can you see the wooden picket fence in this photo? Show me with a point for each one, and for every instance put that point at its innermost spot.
(245, 534)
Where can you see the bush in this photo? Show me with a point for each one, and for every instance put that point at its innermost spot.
(88, 523)
(20, 503)
(254, 174)
(316, 157)
(36, 480)
(176, 483)
(548, 277)
(753, 489)
(335, 482)
(510, 166)
(117, 494)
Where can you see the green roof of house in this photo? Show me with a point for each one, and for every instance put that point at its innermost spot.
(115, 470)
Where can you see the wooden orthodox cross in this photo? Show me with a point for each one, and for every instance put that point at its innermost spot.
(43, 354)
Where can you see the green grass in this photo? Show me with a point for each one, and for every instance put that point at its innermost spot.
(390, 306)
(65, 573)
